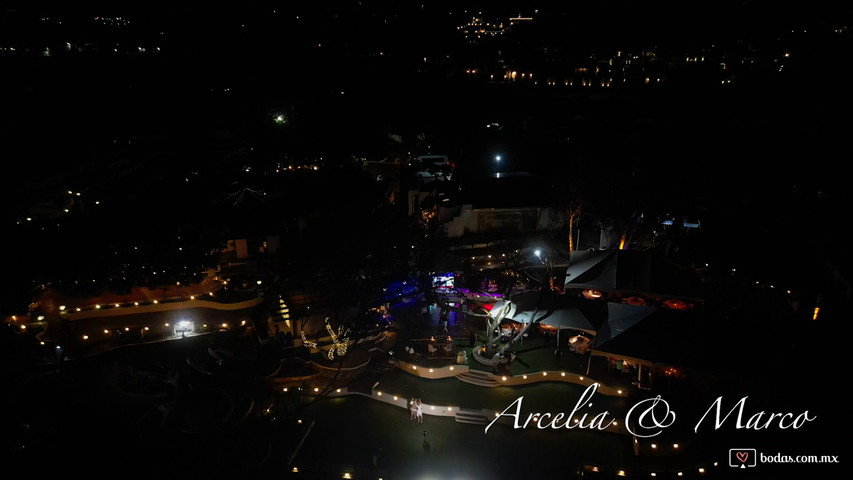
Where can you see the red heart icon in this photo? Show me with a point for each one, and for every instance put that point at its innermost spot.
(742, 456)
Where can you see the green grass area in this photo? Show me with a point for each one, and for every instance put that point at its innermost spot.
(348, 431)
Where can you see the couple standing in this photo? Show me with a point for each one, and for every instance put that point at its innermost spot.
(417, 410)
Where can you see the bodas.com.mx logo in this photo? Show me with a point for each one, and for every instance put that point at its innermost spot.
(742, 457)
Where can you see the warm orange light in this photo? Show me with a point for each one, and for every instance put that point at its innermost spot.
(816, 311)
(591, 294)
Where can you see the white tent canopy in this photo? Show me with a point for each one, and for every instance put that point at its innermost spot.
(547, 308)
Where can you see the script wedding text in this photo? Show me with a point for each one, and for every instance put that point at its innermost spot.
(647, 418)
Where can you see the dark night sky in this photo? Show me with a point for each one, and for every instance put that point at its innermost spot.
(60, 112)
(71, 105)
(662, 19)
(767, 157)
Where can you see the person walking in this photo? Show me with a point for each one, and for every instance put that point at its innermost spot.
(420, 411)
(413, 409)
